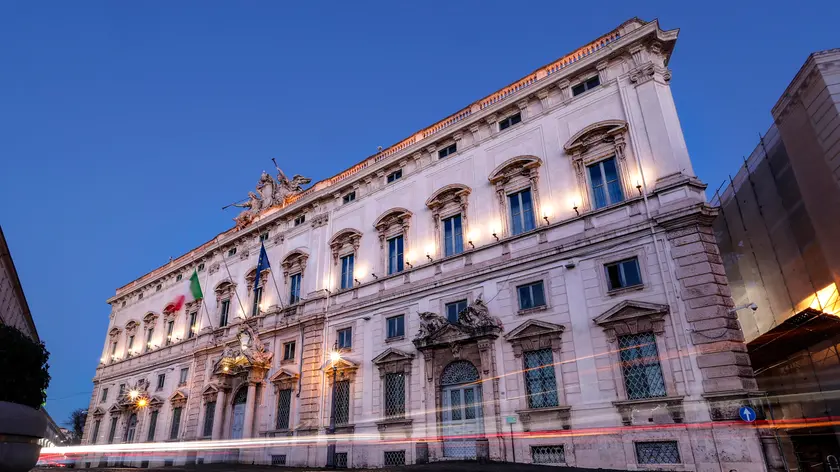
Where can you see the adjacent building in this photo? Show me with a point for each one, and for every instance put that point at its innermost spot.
(534, 277)
(778, 230)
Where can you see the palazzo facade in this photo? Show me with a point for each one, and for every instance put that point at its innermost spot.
(534, 278)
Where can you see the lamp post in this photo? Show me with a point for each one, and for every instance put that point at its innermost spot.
(335, 356)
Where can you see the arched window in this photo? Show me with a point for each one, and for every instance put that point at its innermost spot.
(241, 395)
(294, 266)
(518, 194)
(599, 160)
(345, 245)
(225, 291)
(459, 372)
(392, 227)
(449, 210)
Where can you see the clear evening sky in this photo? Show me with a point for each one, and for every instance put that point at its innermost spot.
(126, 126)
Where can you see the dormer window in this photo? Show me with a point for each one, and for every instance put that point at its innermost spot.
(394, 176)
(586, 85)
(448, 151)
(300, 220)
(510, 121)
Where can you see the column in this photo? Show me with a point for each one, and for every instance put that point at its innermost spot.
(250, 404)
(218, 417)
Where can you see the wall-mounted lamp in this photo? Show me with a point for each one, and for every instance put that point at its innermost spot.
(374, 276)
(409, 265)
(471, 244)
(576, 210)
(357, 282)
(639, 187)
(546, 220)
(497, 238)
(429, 258)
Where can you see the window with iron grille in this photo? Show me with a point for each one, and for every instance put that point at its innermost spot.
(209, 413)
(640, 366)
(340, 460)
(539, 379)
(341, 405)
(284, 408)
(278, 459)
(548, 454)
(395, 395)
(657, 452)
(168, 462)
(394, 458)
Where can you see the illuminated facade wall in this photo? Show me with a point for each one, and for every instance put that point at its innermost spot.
(591, 296)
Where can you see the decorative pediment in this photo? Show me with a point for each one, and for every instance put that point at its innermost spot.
(131, 327)
(346, 238)
(248, 354)
(115, 409)
(97, 412)
(521, 165)
(210, 391)
(170, 309)
(114, 332)
(345, 369)
(633, 317)
(150, 318)
(473, 322)
(533, 335)
(179, 398)
(155, 402)
(284, 379)
(225, 286)
(609, 132)
(392, 361)
(451, 194)
(294, 261)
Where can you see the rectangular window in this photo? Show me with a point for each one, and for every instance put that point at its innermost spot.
(169, 328)
(289, 351)
(113, 349)
(193, 325)
(394, 176)
(96, 425)
(548, 454)
(448, 151)
(179, 277)
(294, 289)
(176, 423)
(255, 308)
(159, 286)
(232, 251)
(395, 395)
(348, 197)
(640, 366)
(300, 220)
(113, 430)
(395, 255)
(122, 391)
(209, 412)
(658, 452)
(531, 295)
(347, 263)
(453, 236)
(588, 84)
(396, 326)
(140, 297)
(130, 343)
(394, 458)
(278, 459)
(453, 309)
(149, 333)
(345, 338)
(606, 187)
(521, 212)
(225, 311)
(182, 380)
(201, 267)
(104, 395)
(284, 408)
(623, 274)
(540, 382)
(161, 381)
(510, 121)
(341, 408)
(152, 426)
(264, 237)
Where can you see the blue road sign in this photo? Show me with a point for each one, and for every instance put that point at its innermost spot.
(747, 414)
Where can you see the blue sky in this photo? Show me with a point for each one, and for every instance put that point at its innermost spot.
(126, 126)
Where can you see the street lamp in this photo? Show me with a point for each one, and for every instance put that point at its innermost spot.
(335, 356)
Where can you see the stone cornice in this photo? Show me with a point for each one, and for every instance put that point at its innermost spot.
(812, 63)
(613, 44)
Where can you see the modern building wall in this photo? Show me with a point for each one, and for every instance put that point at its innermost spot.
(778, 233)
(601, 408)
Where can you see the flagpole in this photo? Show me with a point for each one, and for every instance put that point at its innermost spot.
(206, 311)
(230, 277)
(279, 295)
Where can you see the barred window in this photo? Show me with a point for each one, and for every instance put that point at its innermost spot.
(640, 366)
(540, 382)
(657, 452)
(340, 460)
(341, 407)
(395, 395)
(548, 454)
(393, 458)
(209, 413)
(278, 459)
(284, 408)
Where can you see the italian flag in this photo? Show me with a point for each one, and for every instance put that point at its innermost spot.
(191, 292)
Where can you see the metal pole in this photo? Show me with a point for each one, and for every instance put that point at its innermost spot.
(331, 429)
(512, 446)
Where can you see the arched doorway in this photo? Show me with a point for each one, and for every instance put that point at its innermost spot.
(461, 412)
(238, 423)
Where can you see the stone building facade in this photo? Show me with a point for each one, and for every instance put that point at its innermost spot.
(534, 275)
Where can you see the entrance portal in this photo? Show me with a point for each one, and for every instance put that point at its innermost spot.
(238, 423)
(461, 412)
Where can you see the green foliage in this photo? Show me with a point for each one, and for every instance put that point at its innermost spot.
(24, 375)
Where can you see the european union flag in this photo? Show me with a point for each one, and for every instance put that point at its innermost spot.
(262, 265)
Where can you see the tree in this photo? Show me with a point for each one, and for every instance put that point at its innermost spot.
(76, 423)
(25, 370)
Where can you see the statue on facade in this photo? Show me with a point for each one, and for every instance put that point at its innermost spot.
(477, 315)
(286, 187)
(253, 205)
(267, 189)
(429, 324)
